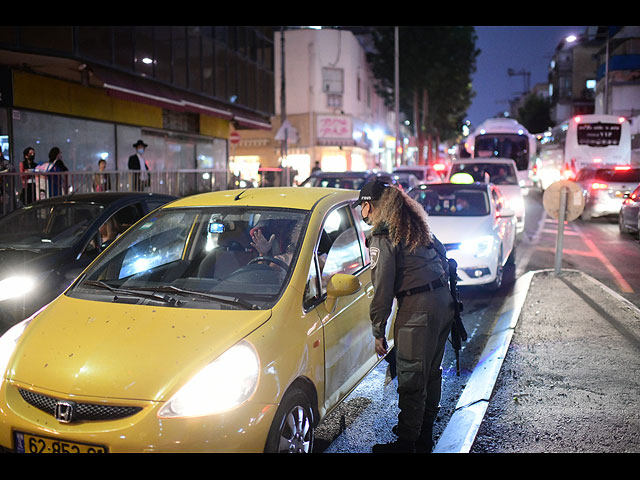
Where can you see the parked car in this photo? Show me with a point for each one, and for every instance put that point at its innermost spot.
(45, 245)
(181, 337)
(499, 171)
(476, 227)
(629, 215)
(604, 188)
(424, 173)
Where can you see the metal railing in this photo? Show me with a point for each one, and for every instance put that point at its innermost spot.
(18, 189)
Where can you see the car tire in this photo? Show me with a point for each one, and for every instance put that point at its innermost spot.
(621, 225)
(497, 282)
(512, 256)
(293, 428)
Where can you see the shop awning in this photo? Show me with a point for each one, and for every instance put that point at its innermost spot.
(136, 89)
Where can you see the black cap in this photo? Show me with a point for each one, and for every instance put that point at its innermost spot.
(372, 190)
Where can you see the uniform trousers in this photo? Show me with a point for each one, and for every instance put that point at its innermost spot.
(422, 326)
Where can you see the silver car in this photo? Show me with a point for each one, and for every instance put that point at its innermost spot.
(604, 188)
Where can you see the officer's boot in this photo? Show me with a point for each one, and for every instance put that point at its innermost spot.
(399, 446)
(424, 443)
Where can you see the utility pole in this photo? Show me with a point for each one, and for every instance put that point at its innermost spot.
(283, 107)
(397, 94)
(527, 76)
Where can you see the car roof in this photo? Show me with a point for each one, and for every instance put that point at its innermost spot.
(485, 160)
(104, 198)
(275, 197)
(343, 174)
(466, 186)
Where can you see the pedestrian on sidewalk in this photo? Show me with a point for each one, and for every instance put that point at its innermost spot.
(57, 183)
(136, 161)
(27, 166)
(406, 266)
(101, 180)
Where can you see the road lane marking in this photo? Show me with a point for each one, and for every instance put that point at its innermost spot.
(617, 276)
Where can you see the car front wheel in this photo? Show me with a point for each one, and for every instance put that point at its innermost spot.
(292, 430)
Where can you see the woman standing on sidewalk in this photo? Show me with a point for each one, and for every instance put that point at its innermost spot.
(406, 266)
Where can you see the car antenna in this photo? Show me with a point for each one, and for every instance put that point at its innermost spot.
(238, 195)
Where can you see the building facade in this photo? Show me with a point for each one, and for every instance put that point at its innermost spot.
(333, 113)
(93, 91)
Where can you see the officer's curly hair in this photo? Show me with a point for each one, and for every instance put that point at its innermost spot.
(405, 218)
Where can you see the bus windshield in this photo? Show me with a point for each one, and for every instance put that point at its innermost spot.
(511, 146)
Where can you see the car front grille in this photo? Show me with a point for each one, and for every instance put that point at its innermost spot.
(85, 411)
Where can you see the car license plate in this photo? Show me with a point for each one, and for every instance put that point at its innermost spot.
(27, 443)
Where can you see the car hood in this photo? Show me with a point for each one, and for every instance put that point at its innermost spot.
(14, 262)
(111, 350)
(457, 229)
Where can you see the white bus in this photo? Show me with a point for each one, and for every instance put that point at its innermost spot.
(582, 141)
(505, 138)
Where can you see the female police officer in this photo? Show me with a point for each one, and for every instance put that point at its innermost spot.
(406, 266)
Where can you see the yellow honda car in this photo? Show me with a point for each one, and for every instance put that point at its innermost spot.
(223, 322)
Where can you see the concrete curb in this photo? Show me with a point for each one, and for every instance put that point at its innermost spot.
(460, 433)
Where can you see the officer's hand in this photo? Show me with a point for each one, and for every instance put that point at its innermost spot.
(381, 346)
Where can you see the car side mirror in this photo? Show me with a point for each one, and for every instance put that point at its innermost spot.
(506, 212)
(340, 285)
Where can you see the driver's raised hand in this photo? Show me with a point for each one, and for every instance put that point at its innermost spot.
(261, 244)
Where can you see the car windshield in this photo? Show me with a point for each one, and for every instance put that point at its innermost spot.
(200, 258)
(47, 226)
(496, 173)
(452, 201)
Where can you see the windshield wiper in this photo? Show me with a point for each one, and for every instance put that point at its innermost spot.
(231, 301)
(125, 291)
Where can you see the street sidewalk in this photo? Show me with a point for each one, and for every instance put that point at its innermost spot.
(560, 373)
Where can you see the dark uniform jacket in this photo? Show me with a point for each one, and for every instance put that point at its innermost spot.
(395, 269)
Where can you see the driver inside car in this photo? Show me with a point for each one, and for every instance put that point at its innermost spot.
(269, 248)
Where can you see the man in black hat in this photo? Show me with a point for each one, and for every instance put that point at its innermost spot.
(135, 162)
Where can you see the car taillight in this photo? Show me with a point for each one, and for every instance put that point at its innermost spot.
(623, 167)
(599, 186)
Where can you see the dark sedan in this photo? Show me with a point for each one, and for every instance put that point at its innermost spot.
(45, 245)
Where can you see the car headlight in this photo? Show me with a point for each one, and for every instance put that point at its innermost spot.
(15, 286)
(480, 247)
(225, 383)
(8, 343)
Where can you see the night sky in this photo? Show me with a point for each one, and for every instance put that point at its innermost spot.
(525, 48)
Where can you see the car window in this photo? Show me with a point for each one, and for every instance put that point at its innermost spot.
(339, 249)
(631, 175)
(452, 202)
(496, 173)
(48, 225)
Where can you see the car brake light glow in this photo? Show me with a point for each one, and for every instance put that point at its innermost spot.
(597, 160)
(577, 119)
(621, 119)
(599, 186)
(438, 166)
(623, 167)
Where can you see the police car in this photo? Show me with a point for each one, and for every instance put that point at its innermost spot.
(476, 226)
